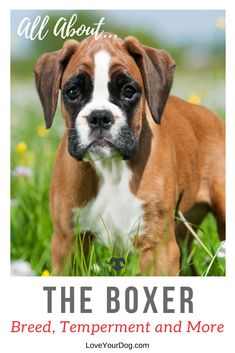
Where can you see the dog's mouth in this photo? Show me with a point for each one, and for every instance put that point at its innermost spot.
(100, 143)
(99, 149)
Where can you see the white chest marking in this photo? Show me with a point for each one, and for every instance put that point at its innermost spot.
(115, 214)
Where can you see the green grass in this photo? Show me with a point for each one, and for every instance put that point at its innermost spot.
(31, 227)
(204, 262)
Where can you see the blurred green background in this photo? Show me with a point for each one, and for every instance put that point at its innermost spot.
(196, 41)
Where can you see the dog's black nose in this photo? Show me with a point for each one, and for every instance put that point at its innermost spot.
(100, 119)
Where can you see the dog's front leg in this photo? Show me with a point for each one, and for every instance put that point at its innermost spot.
(66, 241)
(159, 252)
(60, 248)
(63, 231)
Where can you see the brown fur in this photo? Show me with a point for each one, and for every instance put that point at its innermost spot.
(183, 157)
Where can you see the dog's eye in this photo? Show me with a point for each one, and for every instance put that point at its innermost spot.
(73, 92)
(128, 91)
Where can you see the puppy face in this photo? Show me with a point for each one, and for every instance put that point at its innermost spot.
(102, 100)
(104, 85)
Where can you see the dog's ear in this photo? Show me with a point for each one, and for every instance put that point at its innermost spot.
(157, 68)
(48, 72)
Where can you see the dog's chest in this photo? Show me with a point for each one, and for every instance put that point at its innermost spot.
(115, 214)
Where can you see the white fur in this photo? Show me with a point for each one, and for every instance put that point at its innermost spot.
(101, 76)
(116, 213)
(100, 100)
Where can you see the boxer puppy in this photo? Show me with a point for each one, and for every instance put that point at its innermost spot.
(130, 154)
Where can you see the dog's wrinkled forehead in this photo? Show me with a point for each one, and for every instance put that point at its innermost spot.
(101, 56)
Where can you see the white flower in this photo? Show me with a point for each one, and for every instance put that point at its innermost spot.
(21, 170)
(14, 202)
(21, 268)
(222, 251)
